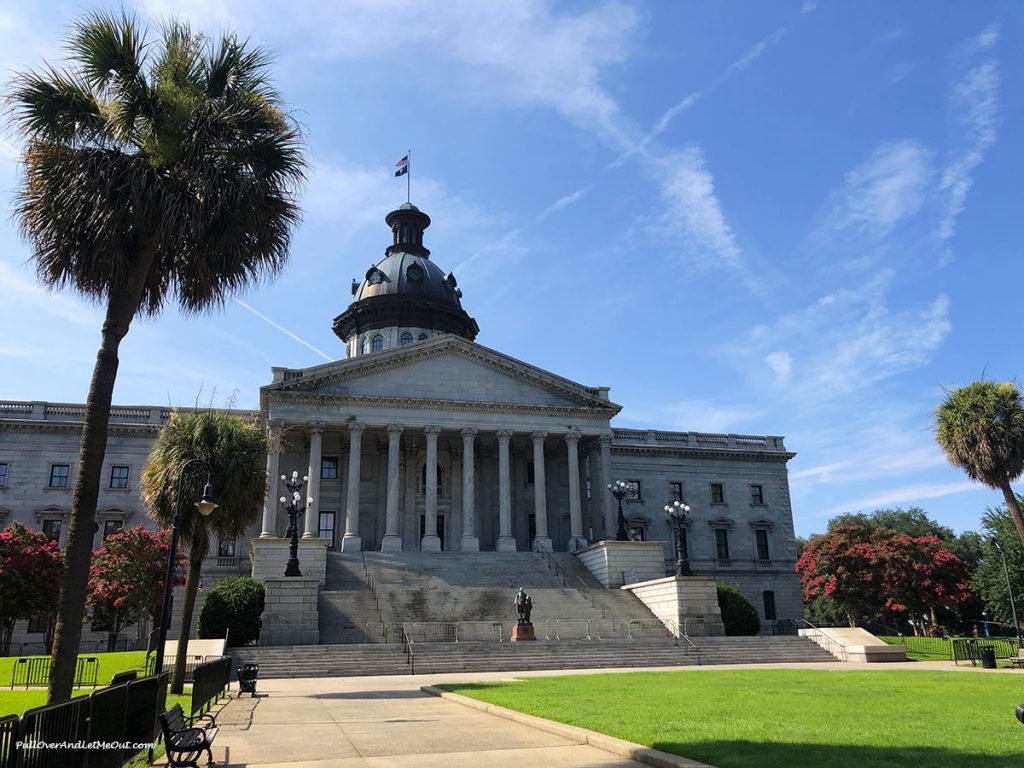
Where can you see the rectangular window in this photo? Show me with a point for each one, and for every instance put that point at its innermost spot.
(327, 528)
(637, 533)
(717, 493)
(675, 492)
(226, 548)
(769, 605)
(110, 527)
(119, 477)
(722, 543)
(329, 468)
(757, 495)
(59, 474)
(51, 529)
(529, 473)
(761, 536)
(3, 474)
(633, 490)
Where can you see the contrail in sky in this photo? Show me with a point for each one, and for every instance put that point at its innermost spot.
(284, 330)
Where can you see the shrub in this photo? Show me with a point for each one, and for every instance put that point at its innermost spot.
(738, 614)
(234, 605)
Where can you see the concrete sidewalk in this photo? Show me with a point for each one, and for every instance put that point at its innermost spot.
(383, 721)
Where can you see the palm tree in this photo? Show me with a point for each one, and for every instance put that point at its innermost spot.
(153, 173)
(981, 429)
(235, 449)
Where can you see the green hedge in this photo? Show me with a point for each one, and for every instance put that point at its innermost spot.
(234, 605)
(738, 614)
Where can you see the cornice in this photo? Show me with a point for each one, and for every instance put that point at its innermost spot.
(780, 457)
(386, 401)
(39, 425)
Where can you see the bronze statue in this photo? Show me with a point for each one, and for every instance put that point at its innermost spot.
(523, 605)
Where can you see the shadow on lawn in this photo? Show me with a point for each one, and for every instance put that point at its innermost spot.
(752, 754)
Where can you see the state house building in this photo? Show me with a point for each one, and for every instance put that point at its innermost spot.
(423, 439)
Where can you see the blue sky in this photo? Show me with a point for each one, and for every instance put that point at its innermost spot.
(790, 218)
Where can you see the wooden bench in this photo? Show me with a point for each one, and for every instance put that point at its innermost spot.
(1018, 661)
(185, 744)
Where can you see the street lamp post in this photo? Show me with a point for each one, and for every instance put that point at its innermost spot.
(677, 513)
(1009, 588)
(295, 508)
(618, 489)
(205, 505)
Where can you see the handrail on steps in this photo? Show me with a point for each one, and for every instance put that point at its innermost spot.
(410, 654)
(836, 647)
(549, 558)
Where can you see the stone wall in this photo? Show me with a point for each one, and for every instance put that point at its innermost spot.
(290, 614)
(270, 558)
(678, 598)
(615, 563)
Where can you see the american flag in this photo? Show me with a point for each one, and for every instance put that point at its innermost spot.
(402, 166)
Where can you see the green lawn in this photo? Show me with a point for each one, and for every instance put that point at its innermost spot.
(110, 664)
(15, 702)
(778, 718)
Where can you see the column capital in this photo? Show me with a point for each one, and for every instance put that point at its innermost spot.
(469, 432)
(432, 429)
(316, 427)
(356, 427)
(605, 439)
(504, 434)
(394, 429)
(573, 436)
(538, 436)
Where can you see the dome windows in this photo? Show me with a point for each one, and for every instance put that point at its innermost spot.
(374, 276)
(406, 338)
(377, 344)
(422, 337)
(364, 346)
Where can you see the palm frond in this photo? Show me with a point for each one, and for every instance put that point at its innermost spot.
(57, 106)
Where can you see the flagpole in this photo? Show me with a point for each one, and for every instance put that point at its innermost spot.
(408, 179)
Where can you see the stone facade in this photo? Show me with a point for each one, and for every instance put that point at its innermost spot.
(686, 604)
(290, 615)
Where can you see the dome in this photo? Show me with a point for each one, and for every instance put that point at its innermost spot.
(405, 291)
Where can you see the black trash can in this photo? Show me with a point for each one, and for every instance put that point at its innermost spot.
(988, 658)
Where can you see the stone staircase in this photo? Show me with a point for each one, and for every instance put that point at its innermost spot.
(391, 659)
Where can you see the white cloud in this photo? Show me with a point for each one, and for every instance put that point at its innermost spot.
(753, 53)
(975, 107)
(782, 365)
(889, 186)
(809, 6)
(982, 42)
(695, 415)
(908, 494)
(564, 202)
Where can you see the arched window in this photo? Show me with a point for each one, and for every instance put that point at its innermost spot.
(364, 346)
(378, 343)
(422, 337)
(406, 338)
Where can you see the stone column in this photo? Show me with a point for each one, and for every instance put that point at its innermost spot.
(470, 540)
(611, 523)
(506, 541)
(273, 474)
(540, 493)
(316, 433)
(351, 541)
(576, 539)
(430, 542)
(392, 542)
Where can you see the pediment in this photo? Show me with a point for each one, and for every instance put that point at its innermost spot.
(446, 368)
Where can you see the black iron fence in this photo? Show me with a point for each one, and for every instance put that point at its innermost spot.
(191, 662)
(209, 682)
(969, 649)
(36, 671)
(39, 647)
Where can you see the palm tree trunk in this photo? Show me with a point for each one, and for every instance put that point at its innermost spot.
(195, 567)
(121, 308)
(1014, 506)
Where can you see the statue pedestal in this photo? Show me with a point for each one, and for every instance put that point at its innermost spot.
(523, 632)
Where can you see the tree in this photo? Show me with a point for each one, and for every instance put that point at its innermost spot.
(989, 578)
(126, 580)
(913, 522)
(919, 575)
(981, 429)
(153, 172)
(31, 567)
(841, 564)
(236, 450)
(233, 609)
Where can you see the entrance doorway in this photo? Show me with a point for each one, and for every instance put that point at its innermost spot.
(440, 528)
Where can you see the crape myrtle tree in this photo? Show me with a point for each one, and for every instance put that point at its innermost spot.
(126, 579)
(235, 447)
(981, 429)
(31, 567)
(841, 565)
(157, 167)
